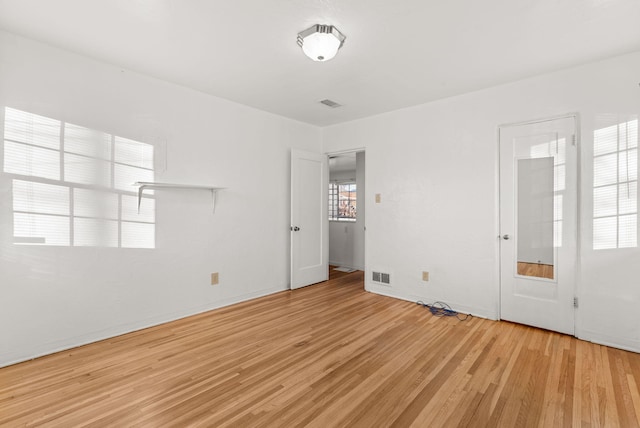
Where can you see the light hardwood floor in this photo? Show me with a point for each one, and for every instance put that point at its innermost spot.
(535, 269)
(327, 355)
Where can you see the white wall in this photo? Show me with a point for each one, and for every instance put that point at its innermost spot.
(57, 297)
(341, 244)
(435, 166)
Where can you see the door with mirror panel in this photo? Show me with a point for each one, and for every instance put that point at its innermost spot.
(538, 223)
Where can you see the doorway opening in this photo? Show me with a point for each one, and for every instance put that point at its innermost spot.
(346, 211)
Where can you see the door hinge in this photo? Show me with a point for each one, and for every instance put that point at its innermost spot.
(573, 139)
(575, 302)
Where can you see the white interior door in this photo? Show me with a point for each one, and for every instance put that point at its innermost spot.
(309, 218)
(538, 216)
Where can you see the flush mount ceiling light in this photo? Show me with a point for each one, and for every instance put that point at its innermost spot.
(321, 42)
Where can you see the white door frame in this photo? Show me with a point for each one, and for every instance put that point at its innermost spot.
(576, 117)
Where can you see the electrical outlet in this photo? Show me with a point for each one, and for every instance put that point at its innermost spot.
(214, 278)
(425, 276)
(378, 198)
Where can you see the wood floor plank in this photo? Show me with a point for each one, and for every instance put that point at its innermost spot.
(328, 355)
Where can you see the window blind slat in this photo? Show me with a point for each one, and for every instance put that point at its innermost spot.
(615, 175)
(88, 205)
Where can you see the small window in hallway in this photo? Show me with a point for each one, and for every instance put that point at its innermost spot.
(342, 201)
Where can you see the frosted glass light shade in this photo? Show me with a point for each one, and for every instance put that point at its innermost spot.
(321, 42)
(320, 46)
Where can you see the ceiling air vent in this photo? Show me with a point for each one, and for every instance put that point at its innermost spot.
(330, 103)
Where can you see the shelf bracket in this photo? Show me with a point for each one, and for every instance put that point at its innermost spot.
(140, 190)
(142, 185)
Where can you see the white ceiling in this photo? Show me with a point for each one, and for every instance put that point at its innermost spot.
(397, 53)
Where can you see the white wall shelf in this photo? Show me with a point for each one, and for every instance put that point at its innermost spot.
(142, 185)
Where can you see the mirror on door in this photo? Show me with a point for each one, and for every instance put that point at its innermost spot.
(535, 217)
(540, 185)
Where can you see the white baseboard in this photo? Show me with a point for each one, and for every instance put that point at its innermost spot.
(463, 309)
(11, 358)
(347, 265)
(613, 342)
(589, 336)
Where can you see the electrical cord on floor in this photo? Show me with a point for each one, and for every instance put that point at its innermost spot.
(441, 309)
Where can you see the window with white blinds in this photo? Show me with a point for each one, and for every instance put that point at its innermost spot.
(72, 186)
(615, 183)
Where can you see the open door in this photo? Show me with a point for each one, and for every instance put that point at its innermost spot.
(538, 223)
(309, 220)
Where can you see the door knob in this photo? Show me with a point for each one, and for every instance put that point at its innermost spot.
(505, 237)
